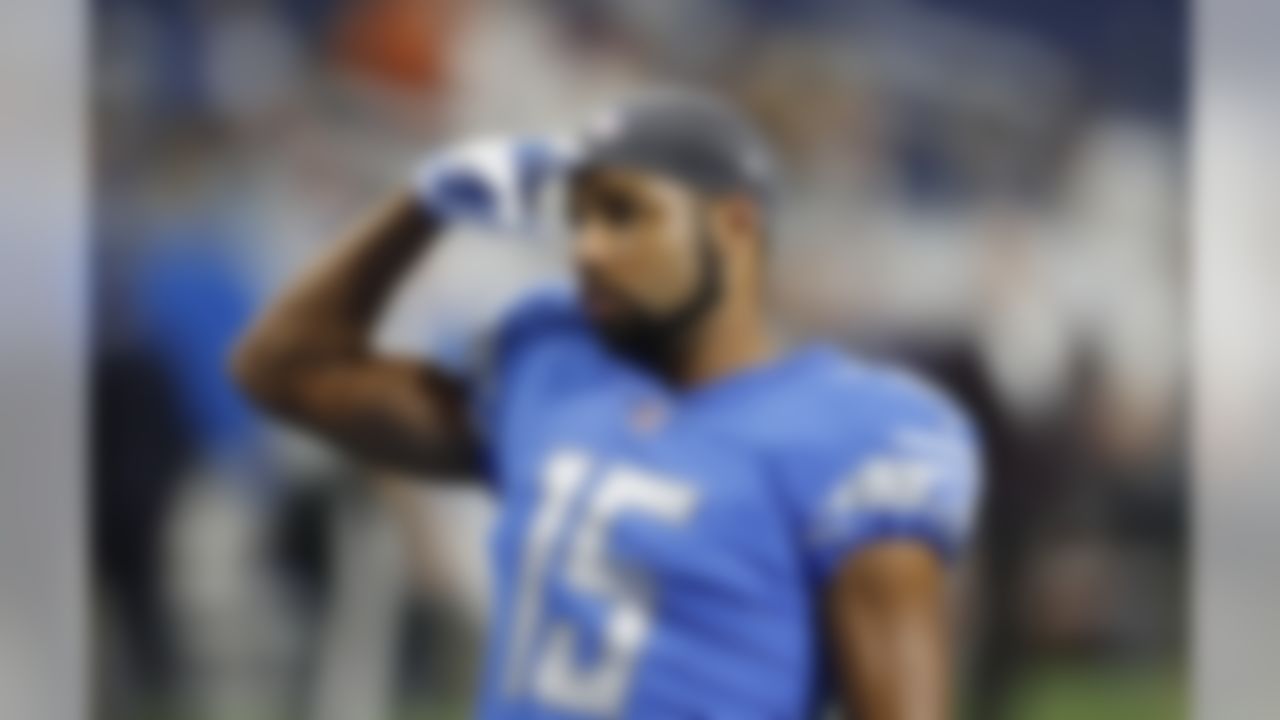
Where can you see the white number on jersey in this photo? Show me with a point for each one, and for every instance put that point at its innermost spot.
(556, 677)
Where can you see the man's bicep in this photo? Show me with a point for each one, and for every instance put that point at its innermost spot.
(401, 413)
(887, 619)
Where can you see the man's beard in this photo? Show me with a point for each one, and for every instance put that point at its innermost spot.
(660, 341)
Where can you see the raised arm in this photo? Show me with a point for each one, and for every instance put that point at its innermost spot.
(309, 359)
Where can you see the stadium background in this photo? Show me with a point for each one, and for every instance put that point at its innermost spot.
(988, 189)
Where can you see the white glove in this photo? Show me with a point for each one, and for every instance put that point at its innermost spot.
(493, 183)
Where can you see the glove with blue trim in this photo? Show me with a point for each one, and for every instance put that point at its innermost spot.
(493, 184)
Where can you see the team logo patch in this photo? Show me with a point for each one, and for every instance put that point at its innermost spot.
(915, 477)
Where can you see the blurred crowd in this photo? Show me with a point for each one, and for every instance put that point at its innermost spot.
(988, 190)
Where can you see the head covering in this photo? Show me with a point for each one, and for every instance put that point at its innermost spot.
(694, 138)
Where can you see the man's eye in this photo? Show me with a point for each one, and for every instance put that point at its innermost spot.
(618, 210)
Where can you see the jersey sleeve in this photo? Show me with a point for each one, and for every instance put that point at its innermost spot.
(901, 464)
(487, 352)
(473, 346)
(528, 356)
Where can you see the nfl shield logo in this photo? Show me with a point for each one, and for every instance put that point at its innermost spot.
(648, 415)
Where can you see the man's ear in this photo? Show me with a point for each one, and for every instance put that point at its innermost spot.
(737, 217)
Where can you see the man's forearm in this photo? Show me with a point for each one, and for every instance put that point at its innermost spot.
(328, 315)
(890, 635)
(309, 360)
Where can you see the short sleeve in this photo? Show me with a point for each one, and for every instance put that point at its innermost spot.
(533, 355)
(467, 337)
(906, 465)
(489, 358)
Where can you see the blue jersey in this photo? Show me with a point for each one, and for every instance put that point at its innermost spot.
(660, 553)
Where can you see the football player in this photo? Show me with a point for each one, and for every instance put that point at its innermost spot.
(696, 519)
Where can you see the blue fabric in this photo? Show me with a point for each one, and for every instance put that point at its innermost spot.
(194, 303)
(680, 575)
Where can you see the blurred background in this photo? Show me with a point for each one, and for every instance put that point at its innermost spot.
(989, 190)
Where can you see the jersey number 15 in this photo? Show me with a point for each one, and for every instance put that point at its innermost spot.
(551, 671)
